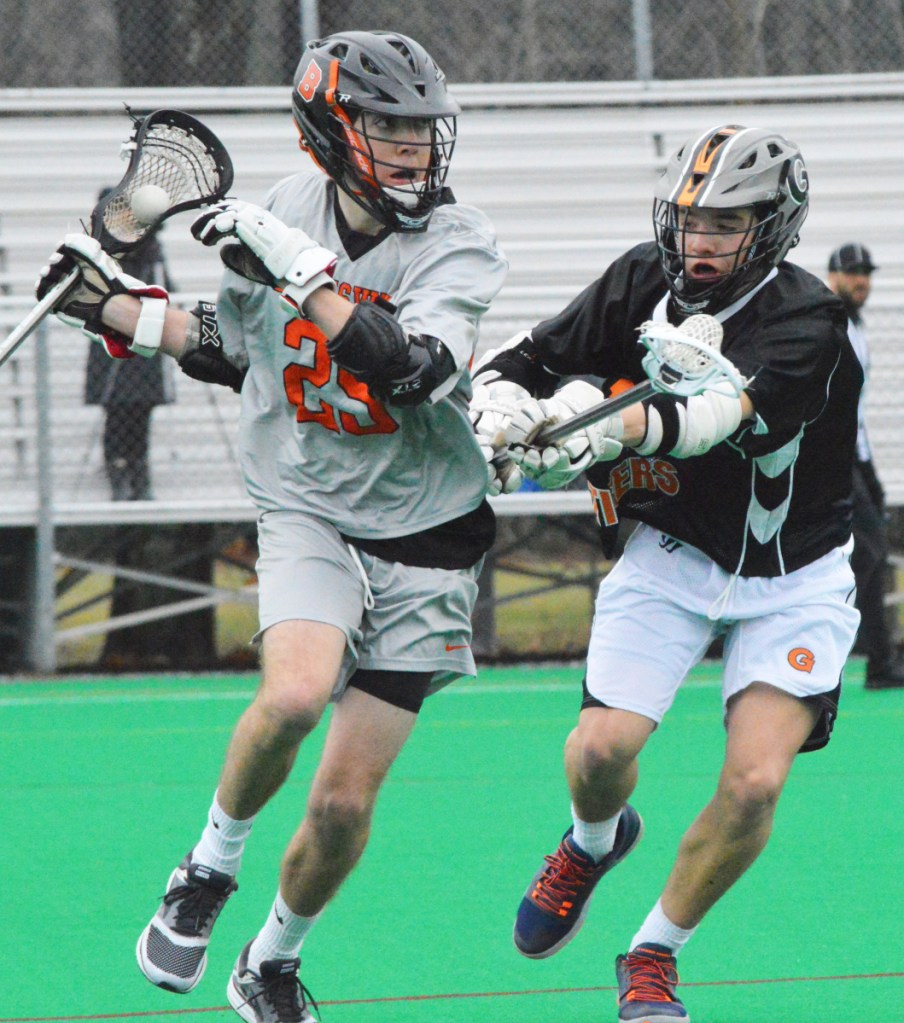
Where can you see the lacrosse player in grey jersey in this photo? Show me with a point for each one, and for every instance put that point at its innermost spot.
(347, 319)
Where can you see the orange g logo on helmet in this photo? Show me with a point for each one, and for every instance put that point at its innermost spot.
(801, 659)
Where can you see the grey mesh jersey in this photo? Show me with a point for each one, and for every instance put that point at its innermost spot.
(311, 436)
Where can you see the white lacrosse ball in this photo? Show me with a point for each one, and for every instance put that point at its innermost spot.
(149, 202)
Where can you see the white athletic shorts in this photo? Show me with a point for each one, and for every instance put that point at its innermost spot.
(652, 624)
(420, 618)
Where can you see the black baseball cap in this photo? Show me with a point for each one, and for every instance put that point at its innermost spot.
(852, 258)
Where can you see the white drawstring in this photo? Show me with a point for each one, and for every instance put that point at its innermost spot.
(368, 593)
(720, 605)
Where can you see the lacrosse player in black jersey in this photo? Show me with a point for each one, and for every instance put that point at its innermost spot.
(744, 512)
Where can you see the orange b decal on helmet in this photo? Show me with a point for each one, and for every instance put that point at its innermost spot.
(801, 659)
(311, 77)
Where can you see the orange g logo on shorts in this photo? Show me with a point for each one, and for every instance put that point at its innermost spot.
(801, 659)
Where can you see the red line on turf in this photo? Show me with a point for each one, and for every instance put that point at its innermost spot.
(457, 995)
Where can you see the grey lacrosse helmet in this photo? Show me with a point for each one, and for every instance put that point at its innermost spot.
(729, 167)
(390, 77)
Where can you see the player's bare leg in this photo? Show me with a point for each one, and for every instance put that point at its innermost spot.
(766, 728)
(301, 662)
(364, 739)
(601, 760)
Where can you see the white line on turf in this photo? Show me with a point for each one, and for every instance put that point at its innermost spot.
(203, 696)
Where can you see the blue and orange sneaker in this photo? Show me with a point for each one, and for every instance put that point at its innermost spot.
(558, 897)
(647, 977)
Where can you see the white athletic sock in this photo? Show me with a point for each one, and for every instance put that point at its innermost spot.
(222, 841)
(659, 930)
(597, 840)
(281, 936)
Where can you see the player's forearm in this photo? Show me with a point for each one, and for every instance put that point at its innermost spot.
(328, 311)
(634, 419)
(121, 314)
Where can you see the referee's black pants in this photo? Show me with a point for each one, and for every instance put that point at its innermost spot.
(870, 564)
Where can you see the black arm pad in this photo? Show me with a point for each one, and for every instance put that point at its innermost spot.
(203, 358)
(399, 368)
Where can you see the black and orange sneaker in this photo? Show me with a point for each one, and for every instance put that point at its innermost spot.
(558, 897)
(647, 977)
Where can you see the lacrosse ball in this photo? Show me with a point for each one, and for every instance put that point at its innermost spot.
(149, 202)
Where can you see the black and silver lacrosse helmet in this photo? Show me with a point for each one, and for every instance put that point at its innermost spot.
(726, 168)
(377, 73)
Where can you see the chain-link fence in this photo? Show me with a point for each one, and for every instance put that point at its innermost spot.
(61, 43)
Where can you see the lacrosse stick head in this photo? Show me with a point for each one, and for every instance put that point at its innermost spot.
(176, 160)
(686, 360)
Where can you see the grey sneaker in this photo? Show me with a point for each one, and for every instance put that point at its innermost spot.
(172, 949)
(275, 995)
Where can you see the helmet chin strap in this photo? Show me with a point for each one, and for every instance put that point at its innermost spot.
(407, 197)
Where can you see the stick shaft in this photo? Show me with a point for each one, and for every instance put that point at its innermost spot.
(40, 310)
(594, 414)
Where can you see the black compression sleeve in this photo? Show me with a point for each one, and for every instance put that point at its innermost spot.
(521, 364)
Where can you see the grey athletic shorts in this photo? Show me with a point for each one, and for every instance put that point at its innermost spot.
(395, 617)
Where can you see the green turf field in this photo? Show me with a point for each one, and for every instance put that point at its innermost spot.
(108, 782)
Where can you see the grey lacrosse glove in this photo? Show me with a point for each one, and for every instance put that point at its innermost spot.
(556, 465)
(298, 264)
(490, 410)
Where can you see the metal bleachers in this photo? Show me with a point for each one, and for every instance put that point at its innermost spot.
(564, 171)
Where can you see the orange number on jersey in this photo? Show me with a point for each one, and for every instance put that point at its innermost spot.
(318, 375)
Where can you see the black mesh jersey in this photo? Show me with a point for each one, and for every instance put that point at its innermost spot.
(776, 495)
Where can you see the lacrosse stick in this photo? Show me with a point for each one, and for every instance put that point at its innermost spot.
(175, 163)
(683, 361)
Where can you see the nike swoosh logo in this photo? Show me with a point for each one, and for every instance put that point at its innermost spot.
(456, 646)
(279, 918)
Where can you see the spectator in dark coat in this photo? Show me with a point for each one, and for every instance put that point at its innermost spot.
(129, 390)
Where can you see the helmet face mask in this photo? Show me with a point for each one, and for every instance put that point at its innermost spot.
(396, 166)
(727, 210)
(373, 111)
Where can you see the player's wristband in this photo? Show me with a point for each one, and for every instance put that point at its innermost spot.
(149, 329)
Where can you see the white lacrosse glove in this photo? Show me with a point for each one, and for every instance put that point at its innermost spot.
(491, 410)
(101, 277)
(556, 465)
(297, 264)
